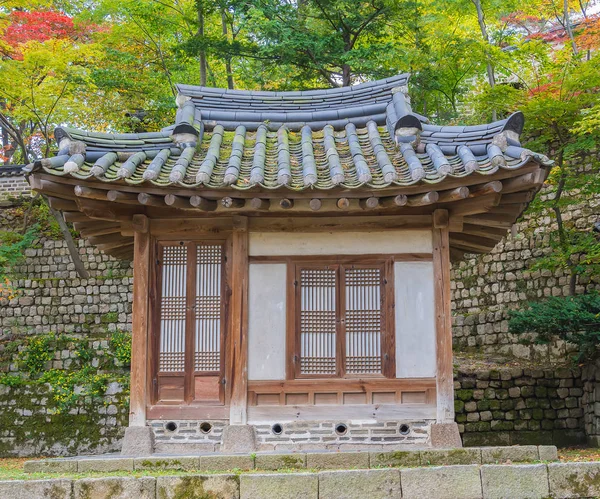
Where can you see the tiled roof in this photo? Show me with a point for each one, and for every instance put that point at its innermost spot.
(11, 171)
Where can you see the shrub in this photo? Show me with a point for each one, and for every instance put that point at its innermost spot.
(120, 343)
(575, 319)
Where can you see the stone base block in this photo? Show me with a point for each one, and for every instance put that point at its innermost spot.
(238, 438)
(445, 435)
(138, 441)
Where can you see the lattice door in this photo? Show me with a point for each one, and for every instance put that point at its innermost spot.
(363, 320)
(318, 290)
(173, 309)
(207, 356)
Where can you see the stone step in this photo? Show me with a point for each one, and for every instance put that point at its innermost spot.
(308, 460)
(488, 481)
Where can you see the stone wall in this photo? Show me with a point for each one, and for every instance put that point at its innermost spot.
(521, 406)
(12, 185)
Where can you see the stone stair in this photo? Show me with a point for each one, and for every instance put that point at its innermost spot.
(470, 473)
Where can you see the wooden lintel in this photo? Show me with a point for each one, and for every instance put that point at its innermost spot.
(199, 226)
(423, 199)
(322, 224)
(87, 192)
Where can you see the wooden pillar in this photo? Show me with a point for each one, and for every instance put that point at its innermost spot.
(139, 345)
(443, 319)
(239, 322)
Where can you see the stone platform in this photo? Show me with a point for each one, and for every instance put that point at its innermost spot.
(297, 460)
(488, 481)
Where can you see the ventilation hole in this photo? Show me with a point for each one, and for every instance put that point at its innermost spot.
(404, 429)
(171, 426)
(277, 429)
(341, 429)
(205, 427)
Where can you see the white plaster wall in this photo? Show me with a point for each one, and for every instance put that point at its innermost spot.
(266, 321)
(415, 320)
(340, 243)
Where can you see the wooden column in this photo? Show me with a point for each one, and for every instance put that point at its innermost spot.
(443, 319)
(239, 322)
(139, 345)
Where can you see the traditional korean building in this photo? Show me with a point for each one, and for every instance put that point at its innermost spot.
(292, 259)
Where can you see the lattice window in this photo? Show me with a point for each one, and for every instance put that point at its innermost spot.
(340, 320)
(318, 321)
(363, 321)
(173, 309)
(207, 356)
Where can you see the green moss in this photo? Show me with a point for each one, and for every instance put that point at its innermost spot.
(464, 395)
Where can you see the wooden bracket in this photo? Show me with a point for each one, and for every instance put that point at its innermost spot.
(140, 223)
(240, 224)
(441, 219)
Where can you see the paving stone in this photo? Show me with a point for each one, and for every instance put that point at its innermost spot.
(106, 464)
(238, 438)
(225, 463)
(281, 486)
(527, 481)
(115, 488)
(574, 479)
(398, 458)
(337, 460)
(548, 452)
(51, 466)
(279, 461)
(167, 463)
(441, 457)
(442, 482)
(359, 484)
(198, 486)
(516, 453)
(36, 489)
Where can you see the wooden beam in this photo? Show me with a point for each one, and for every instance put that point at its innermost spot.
(484, 189)
(315, 204)
(239, 322)
(62, 204)
(343, 203)
(510, 209)
(474, 243)
(203, 203)
(443, 326)
(228, 202)
(125, 252)
(151, 200)
(180, 202)
(524, 182)
(474, 206)
(491, 219)
(124, 241)
(51, 188)
(286, 203)
(456, 255)
(453, 195)
(82, 191)
(423, 199)
(139, 335)
(75, 216)
(91, 230)
(369, 203)
(260, 204)
(394, 201)
(326, 224)
(517, 198)
(122, 197)
(483, 230)
(108, 239)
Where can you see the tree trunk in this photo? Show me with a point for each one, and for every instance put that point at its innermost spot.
(228, 57)
(346, 80)
(567, 21)
(200, 9)
(486, 38)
